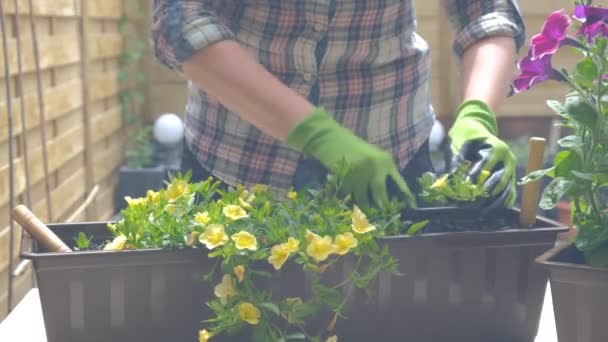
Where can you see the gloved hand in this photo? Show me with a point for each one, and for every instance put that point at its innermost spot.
(369, 168)
(474, 139)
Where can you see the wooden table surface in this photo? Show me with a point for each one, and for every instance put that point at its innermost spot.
(25, 323)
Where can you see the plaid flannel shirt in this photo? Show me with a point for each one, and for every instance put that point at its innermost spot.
(360, 59)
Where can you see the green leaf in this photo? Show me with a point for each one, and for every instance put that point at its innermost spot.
(535, 175)
(272, 307)
(414, 228)
(557, 107)
(554, 192)
(565, 162)
(123, 76)
(587, 70)
(572, 142)
(583, 176)
(581, 111)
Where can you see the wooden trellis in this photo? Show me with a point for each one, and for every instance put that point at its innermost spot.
(74, 148)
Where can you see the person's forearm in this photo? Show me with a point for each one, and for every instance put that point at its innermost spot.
(229, 74)
(488, 69)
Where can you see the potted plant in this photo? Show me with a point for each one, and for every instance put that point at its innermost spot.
(579, 268)
(245, 263)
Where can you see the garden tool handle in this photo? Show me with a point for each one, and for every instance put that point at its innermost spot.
(530, 192)
(39, 230)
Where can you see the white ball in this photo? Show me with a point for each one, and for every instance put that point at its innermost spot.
(168, 129)
(437, 136)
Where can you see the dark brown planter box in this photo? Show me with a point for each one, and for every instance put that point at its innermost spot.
(580, 295)
(469, 286)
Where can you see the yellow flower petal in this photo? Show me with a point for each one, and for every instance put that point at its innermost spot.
(332, 339)
(153, 196)
(320, 248)
(239, 272)
(225, 289)
(213, 236)
(249, 313)
(345, 242)
(134, 202)
(360, 225)
(292, 195)
(176, 190)
(234, 212)
(278, 256)
(292, 245)
(117, 244)
(204, 336)
(245, 240)
(245, 204)
(202, 218)
(310, 236)
(441, 182)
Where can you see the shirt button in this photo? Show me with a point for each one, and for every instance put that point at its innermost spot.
(307, 77)
(319, 27)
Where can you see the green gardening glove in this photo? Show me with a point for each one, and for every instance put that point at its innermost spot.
(369, 168)
(474, 139)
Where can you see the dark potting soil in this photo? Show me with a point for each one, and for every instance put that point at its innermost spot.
(451, 225)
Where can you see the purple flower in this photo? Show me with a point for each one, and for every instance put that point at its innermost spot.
(553, 32)
(534, 72)
(594, 19)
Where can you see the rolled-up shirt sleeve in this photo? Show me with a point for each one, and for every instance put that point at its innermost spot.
(182, 27)
(474, 20)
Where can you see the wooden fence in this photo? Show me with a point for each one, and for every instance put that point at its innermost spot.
(79, 45)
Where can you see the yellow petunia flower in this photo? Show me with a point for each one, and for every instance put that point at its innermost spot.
(234, 212)
(239, 272)
(204, 336)
(441, 182)
(245, 199)
(225, 289)
(117, 244)
(192, 238)
(345, 242)
(310, 236)
(360, 224)
(245, 240)
(249, 313)
(202, 218)
(259, 188)
(278, 256)
(176, 190)
(292, 245)
(245, 204)
(213, 236)
(332, 339)
(153, 196)
(320, 248)
(138, 201)
(292, 195)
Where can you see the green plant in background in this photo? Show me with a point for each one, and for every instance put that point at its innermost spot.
(579, 171)
(253, 235)
(131, 78)
(141, 152)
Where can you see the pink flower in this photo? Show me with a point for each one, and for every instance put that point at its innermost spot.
(552, 34)
(534, 72)
(594, 19)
